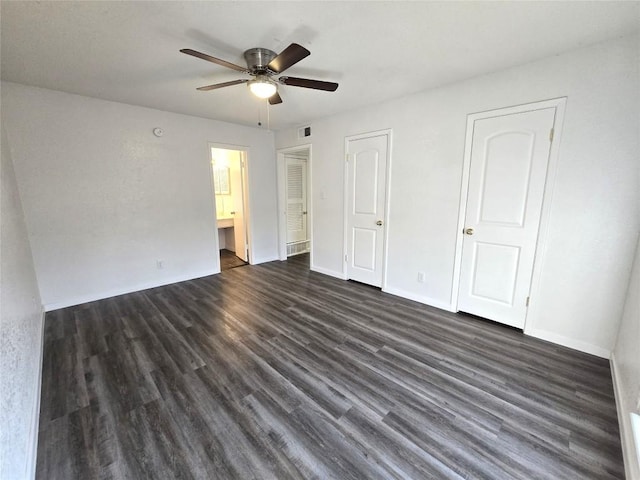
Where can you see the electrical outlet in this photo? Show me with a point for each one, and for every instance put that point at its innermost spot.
(421, 277)
(160, 264)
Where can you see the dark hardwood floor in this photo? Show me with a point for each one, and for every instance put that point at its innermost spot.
(275, 372)
(229, 260)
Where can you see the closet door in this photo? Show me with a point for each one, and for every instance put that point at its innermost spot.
(508, 170)
(296, 192)
(367, 158)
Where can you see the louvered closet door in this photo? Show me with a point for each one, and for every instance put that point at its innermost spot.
(296, 200)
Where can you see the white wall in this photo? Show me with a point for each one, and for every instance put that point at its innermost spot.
(625, 361)
(104, 199)
(21, 323)
(594, 213)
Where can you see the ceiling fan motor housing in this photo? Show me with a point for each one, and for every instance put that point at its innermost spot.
(258, 58)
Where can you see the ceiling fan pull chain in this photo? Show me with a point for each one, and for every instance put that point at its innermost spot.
(266, 101)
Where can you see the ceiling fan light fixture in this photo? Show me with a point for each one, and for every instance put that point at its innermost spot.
(262, 87)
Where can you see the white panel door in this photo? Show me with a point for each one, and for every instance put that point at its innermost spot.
(508, 169)
(296, 194)
(237, 192)
(366, 197)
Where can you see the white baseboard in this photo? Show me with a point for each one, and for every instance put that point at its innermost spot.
(122, 291)
(631, 462)
(419, 298)
(331, 273)
(393, 291)
(258, 261)
(35, 414)
(568, 342)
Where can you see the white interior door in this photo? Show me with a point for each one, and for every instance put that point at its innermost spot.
(296, 194)
(366, 198)
(508, 169)
(237, 192)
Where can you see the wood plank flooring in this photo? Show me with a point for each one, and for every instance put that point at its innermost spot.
(229, 260)
(275, 372)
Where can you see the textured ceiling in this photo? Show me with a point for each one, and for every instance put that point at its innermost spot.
(128, 51)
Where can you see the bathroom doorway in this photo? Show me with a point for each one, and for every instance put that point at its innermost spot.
(229, 179)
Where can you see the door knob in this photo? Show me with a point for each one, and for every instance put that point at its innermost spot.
(379, 223)
(304, 213)
(469, 231)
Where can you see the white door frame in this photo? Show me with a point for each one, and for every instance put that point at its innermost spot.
(282, 201)
(387, 200)
(244, 156)
(560, 105)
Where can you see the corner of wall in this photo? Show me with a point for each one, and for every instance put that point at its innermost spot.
(22, 332)
(625, 369)
(35, 422)
(629, 454)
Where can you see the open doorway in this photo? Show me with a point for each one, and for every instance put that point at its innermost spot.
(294, 199)
(229, 175)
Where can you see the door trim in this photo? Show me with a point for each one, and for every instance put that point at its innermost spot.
(244, 156)
(387, 199)
(560, 105)
(282, 201)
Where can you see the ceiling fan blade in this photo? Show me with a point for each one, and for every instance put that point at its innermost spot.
(288, 57)
(308, 83)
(275, 99)
(221, 85)
(209, 58)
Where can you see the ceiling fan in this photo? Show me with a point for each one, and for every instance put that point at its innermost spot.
(263, 64)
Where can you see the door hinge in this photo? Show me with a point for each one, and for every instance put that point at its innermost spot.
(528, 301)
(346, 157)
(345, 258)
(551, 135)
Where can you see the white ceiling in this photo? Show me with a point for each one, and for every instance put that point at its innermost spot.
(128, 51)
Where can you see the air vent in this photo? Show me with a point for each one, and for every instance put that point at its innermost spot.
(304, 132)
(297, 248)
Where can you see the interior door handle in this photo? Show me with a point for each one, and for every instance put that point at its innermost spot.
(469, 231)
(379, 223)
